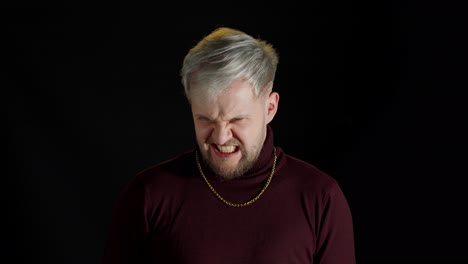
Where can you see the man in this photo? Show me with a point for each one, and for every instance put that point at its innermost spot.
(235, 197)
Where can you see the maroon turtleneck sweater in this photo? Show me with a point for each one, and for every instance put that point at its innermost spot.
(168, 214)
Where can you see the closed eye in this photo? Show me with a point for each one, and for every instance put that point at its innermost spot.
(203, 118)
(237, 119)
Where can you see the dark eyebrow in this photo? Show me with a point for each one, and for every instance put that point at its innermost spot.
(239, 117)
(198, 116)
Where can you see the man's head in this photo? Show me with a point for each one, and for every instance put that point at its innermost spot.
(228, 78)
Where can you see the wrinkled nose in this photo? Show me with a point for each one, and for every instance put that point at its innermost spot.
(221, 134)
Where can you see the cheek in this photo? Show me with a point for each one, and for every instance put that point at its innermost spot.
(255, 135)
(202, 132)
(245, 135)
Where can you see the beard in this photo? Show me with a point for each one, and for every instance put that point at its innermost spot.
(246, 162)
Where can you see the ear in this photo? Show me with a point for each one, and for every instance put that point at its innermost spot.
(272, 106)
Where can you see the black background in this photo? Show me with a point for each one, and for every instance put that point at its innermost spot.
(371, 92)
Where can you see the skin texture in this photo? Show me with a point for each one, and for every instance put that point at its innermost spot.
(236, 118)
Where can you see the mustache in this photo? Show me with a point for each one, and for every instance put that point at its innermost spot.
(231, 142)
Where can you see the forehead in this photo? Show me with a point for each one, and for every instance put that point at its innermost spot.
(238, 98)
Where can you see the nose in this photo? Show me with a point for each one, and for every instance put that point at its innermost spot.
(221, 134)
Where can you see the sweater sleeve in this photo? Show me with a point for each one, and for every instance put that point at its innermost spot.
(335, 239)
(128, 230)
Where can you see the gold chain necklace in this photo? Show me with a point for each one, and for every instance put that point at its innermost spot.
(238, 204)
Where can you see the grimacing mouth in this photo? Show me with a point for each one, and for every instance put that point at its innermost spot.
(226, 149)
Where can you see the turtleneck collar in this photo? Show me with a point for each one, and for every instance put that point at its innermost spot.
(262, 167)
(265, 158)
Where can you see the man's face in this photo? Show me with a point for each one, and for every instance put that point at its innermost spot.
(231, 129)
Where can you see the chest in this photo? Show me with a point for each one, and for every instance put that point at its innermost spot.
(275, 229)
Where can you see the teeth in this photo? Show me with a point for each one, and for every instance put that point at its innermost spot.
(226, 149)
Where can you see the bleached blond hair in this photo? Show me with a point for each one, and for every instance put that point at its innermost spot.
(226, 55)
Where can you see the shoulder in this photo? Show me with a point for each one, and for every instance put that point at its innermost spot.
(167, 171)
(304, 168)
(308, 176)
(162, 181)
